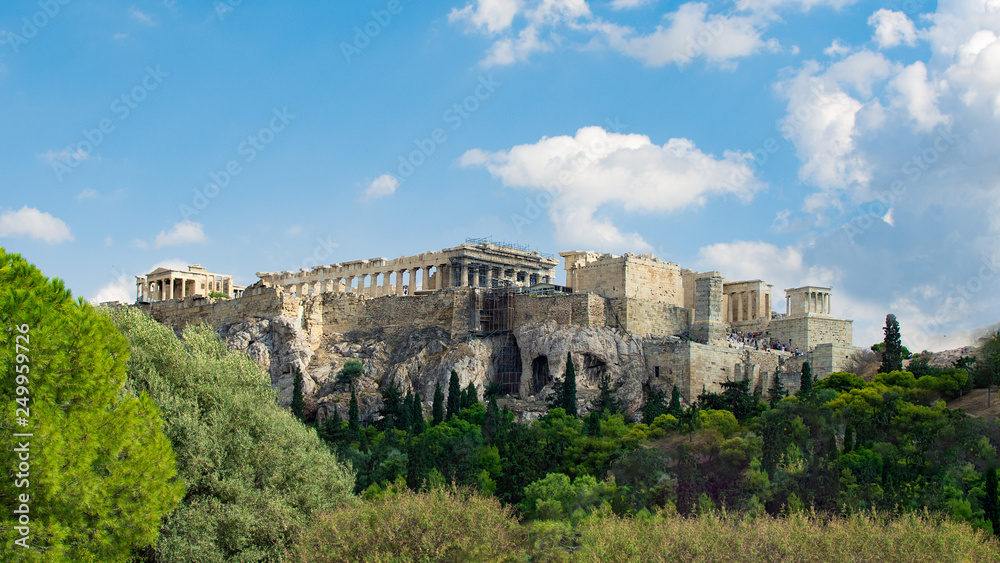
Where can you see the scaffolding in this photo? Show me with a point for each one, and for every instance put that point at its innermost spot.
(491, 315)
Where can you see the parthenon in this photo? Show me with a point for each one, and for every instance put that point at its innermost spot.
(477, 263)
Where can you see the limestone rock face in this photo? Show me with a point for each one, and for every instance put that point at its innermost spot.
(420, 359)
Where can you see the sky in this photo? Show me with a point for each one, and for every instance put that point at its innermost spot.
(849, 144)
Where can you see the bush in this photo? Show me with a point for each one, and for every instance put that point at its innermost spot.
(801, 537)
(440, 525)
(256, 476)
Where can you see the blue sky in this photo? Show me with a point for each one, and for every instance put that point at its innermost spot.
(833, 142)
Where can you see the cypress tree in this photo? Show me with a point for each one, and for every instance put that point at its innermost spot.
(353, 419)
(675, 407)
(392, 409)
(569, 387)
(806, 383)
(606, 401)
(848, 439)
(437, 410)
(454, 395)
(991, 505)
(778, 391)
(592, 424)
(298, 401)
(892, 354)
(491, 423)
(470, 396)
(405, 412)
(416, 414)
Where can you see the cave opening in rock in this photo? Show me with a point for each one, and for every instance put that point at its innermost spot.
(594, 369)
(540, 376)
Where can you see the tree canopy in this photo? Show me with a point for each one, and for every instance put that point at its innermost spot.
(97, 471)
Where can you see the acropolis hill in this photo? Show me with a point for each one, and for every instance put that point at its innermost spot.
(491, 312)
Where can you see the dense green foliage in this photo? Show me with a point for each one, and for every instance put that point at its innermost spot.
(846, 446)
(255, 475)
(451, 525)
(454, 395)
(97, 471)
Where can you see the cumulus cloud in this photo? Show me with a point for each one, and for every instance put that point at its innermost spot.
(88, 193)
(892, 28)
(692, 33)
(582, 174)
(384, 185)
(794, 5)
(520, 28)
(35, 224)
(141, 17)
(185, 232)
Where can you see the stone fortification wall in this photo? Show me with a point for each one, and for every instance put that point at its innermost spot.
(631, 276)
(825, 359)
(652, 318)
(805, 332)
(257, 302)
(344, 312)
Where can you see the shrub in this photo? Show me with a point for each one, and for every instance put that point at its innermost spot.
(256, 475)
(439, 525)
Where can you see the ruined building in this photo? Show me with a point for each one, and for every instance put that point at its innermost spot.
(492, 312)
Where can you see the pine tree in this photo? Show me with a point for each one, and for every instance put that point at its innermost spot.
(491, 423)
(892, 354)
(454, 395)
(470, 396)
(778, 391)
(991, 505)
(353, 418)
(437, 410)
(569, 387)
(416, 415)
(675, 407)
(806, 383)
(298, 401)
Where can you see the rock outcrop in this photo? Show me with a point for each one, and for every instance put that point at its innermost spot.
(419, 359)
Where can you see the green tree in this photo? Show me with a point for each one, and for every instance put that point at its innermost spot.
(298, 401)
(350, 373)
(606, 401)
(892, 354)
(991, 505)
(778, 391)
(454, 395)
(417, 424)
(251, 468)
(675, 407)
(471, 396)
(988, 363)
(353, 418)
(655, 404)
(491, 423)
(568, 398)
(101, 470)
(806, 382)
(392, 408)
(437, 409)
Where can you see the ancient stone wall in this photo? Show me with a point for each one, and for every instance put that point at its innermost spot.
(653, 318)
(635, 277)
(825, 359)
(806, 332)
(263, 302)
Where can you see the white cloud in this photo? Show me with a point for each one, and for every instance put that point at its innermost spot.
(917, 95)
(141, 16)
(64, 156)
(294, 230)
(119, 289)
(797, 5)
(384, 185)
(692, 33)
(892, 28)
(185, 232)
(580, 175)
(88, 193)
(108, 241)
(33, 223)
(493, 15)
(837, 49)
(629, 4)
